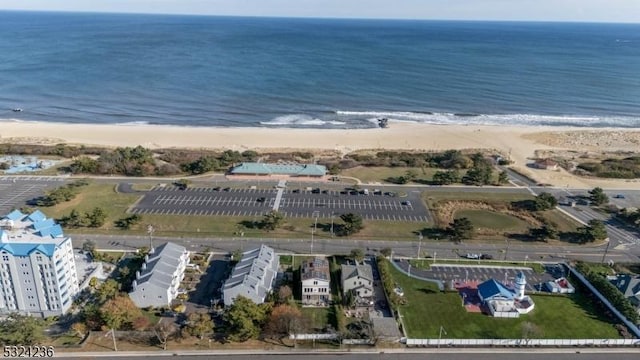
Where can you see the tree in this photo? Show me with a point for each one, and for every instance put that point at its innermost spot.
(141, 323)
(271, 220)
(107, 291)
(460, 229)
(73, 220)
(284, 294)
(164, 330)
(595, 230)
(199, 324)
(124, 272)
(352, 224)
(80, 329)
(21, 330)
(598, 197)
(284, 320)
(386, 252)
(127, 222)
(503, 177)
(88, 246)
(446, 177)
(543, 233)
(245, 319)
(545, 201)
(411, 175)
(119, 312)
(93, 283)
(357, 255)
(96, 217)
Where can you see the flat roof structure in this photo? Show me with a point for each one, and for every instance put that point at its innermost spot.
(252, 168)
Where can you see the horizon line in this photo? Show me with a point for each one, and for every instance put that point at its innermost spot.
(322, 17)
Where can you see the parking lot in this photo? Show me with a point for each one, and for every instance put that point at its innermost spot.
(16, 191)
(480, 273)
(170, 200)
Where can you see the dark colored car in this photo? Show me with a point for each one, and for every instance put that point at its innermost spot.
(261, 199)
(486, 257)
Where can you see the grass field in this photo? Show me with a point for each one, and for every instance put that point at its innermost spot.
(492, 220)
(95, 195)
(431, 198)
(555, 317)
(319, 318)
(377, 174)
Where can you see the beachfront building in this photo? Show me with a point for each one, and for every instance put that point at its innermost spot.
(502, 301)
(280, 170)
(37, 268)
(158, 281)
(253, 276)
(629, 286)
(315, 278)
(545, 164)
(358, 280)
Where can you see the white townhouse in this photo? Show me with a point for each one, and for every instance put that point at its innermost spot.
(37, 268)
(253, 276)
(359, 280)
(315, 278)
(157, 282)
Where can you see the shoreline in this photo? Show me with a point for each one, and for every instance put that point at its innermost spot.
(521, 143)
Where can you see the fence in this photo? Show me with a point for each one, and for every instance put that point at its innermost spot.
(313, 336)
(523, 342)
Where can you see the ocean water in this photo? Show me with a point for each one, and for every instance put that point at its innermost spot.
(228, 71)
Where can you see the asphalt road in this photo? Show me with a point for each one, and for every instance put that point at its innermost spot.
(442, 249)
(458, 354)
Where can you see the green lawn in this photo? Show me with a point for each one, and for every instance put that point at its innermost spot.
(380, 174)
(95, 195)
(562, 221)
(492, 220)
(555, 316)
(318, 317)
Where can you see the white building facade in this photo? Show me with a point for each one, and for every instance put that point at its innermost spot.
(357, 279)
(37, 268)
(158, 281)
(253, 276)
(315, 278)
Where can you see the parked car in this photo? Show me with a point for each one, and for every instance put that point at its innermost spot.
(486, 257)
(406, 203)
(473, 256)
(618, 196)
(261, 199)
(315, 191)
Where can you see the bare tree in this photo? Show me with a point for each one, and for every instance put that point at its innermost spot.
(163, 331)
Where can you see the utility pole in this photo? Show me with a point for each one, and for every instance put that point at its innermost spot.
(150, 231)
(419, 244)
(606, 250)
(506, 251)
(315, 226)
(332, 224)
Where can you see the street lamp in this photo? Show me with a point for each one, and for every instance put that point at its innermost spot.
(332, 214)
(315, 226)
(419, 244)
(150, 231)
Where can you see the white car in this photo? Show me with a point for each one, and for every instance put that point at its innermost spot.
(473, 256)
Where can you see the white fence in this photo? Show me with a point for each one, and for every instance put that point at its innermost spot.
(313, 336)
(523, 342)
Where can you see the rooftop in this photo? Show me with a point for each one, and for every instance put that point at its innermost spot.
(316, 268)
(280, 169)
(161, 265)
(363, 271)
(21, 234)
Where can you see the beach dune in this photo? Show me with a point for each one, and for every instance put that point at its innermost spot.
(518, 142)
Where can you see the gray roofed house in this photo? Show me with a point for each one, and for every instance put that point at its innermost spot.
(253, 276)
(359, 279)
(629, 286)
(157, 282)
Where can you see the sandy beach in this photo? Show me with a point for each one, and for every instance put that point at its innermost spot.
(520, 142)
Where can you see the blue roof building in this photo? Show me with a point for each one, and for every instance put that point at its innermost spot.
(494, 290)
(38, 274)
